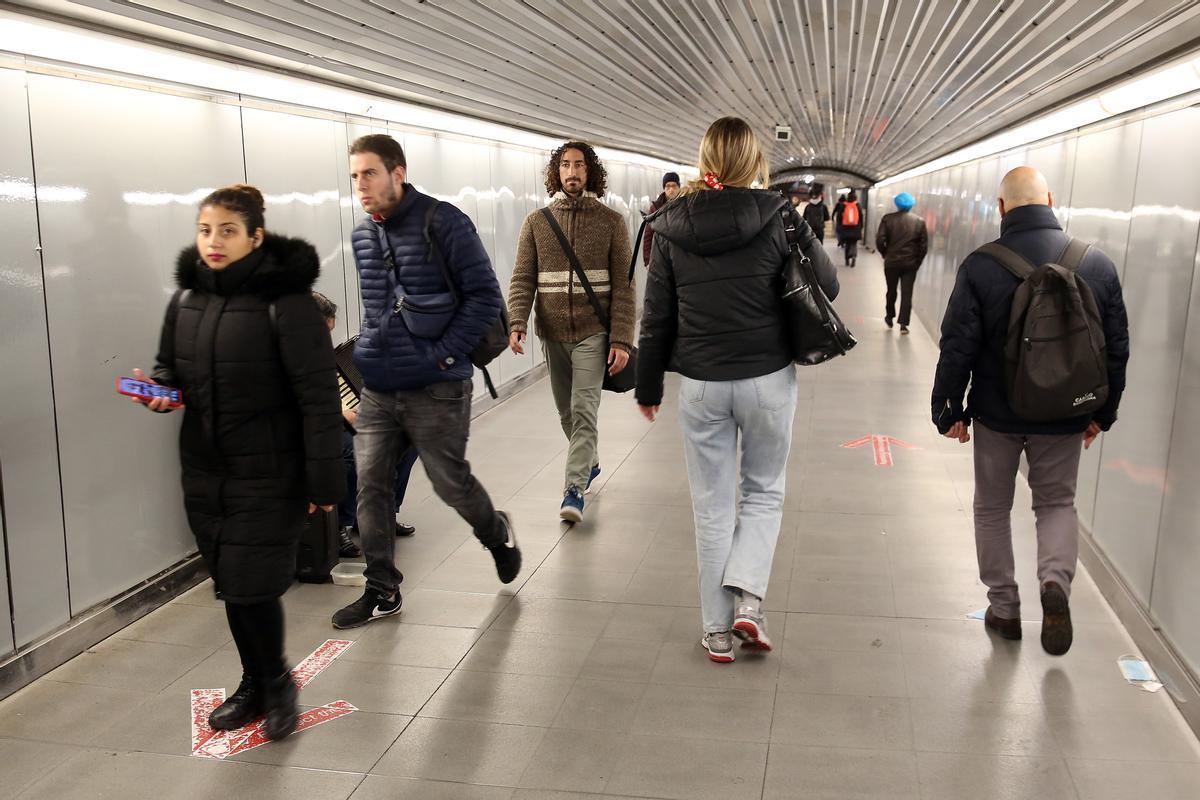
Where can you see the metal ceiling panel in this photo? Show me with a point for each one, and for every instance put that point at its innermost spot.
(869, 87)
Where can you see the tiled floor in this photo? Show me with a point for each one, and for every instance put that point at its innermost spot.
(586, 678)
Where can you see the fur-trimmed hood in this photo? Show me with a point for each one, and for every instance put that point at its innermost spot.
(282, 265)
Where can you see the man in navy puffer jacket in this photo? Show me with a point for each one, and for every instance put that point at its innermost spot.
(974, 330)
(414, 356)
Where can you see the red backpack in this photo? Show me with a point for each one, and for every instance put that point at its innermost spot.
(850, 215)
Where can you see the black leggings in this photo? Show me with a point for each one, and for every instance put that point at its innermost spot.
(258, 632)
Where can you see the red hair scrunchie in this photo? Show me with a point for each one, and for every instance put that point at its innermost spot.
(713, 181)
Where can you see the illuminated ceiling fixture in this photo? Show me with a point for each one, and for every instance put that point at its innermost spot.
(809, 178)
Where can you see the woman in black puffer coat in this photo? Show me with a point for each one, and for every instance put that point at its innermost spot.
(261, 438)
(713, 313)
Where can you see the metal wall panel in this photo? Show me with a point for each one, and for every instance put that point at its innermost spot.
(109, 253)
(508, 168)
(28, 441)
(7, 644)
(1101, 202)
(1173, 596)
(296, 163)
(1162, 248)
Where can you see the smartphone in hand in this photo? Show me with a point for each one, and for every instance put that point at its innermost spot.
(144, 390)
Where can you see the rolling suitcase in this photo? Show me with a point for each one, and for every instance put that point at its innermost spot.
(318, 553)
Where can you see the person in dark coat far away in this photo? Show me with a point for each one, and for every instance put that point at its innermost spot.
(902, 241)
(848, 225)
(670, 191)
(261, 437)
(816, 214)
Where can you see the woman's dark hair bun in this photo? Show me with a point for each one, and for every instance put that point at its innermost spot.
(242, 199)
(253, 193)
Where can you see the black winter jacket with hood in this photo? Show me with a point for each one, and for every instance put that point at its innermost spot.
(975, 327)
(262, 423)
(713, 310)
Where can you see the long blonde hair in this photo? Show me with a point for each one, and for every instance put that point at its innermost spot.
(730, 150)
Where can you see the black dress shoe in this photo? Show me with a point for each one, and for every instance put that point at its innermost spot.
(346, 546)
(281, 708)
(1057, 632)
(404, 530)
(242, 708)
(1006, 628)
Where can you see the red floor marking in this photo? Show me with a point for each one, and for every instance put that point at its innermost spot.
(209, 743)
(882, 447)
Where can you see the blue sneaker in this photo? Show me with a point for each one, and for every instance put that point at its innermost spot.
(572, 506)
(595, 474)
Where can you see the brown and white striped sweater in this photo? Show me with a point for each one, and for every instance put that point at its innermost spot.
(543, 272)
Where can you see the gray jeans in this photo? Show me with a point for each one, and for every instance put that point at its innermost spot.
(435, 420)
(735, 543)
(576, 378)
(1053, 473)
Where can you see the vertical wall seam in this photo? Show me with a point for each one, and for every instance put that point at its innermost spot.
(62, 499)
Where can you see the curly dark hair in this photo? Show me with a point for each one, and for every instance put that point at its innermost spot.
(597, 176)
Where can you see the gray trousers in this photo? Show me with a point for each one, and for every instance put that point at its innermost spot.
(1053, 473)
(434, 420)
(576, 378)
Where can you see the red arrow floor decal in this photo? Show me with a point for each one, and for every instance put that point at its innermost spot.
(209, 743)
(882, 445)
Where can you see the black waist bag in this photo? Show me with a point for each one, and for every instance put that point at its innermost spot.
(814, 329)
(1056, 365)
(626, 379)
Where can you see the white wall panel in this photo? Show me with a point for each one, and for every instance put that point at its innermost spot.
(296, 163)
(109, 254)
(1157, 283)
(28, 446)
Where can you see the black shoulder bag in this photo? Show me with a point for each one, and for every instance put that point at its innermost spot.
(626, 379)
(815, 331)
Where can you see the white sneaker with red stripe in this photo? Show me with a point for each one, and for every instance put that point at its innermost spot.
(750, 625)
(719, 645)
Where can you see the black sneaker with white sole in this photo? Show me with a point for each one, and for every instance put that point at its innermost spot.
(506, 554)
(368, 608)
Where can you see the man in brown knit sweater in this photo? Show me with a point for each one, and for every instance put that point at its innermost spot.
(577, 347)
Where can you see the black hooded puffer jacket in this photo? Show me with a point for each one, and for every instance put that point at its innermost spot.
(262, 424)
(713, 310)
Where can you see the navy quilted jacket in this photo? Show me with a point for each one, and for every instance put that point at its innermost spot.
(976, 325)
(388, 355)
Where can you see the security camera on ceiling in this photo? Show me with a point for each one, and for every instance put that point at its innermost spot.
(783, 133)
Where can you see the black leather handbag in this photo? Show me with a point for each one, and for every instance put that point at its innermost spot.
(626, 379)
(815, 330)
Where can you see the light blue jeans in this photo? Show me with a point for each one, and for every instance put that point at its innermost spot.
(736, 544)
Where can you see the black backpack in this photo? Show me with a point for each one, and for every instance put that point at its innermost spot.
(1055, 363)
(495, 340)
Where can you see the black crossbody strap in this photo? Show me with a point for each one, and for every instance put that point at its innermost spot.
(637, 248)
(435, 250)
(575, 265)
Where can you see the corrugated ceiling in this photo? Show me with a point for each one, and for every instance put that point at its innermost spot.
(869, 87)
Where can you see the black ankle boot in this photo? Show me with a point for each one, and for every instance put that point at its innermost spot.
(346, 546)
(281, 694)
(245, 706)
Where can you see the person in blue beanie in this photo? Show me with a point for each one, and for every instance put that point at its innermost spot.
(902, 241)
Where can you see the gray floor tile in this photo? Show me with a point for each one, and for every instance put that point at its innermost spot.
(382, 787)
(873, 723)
(841, 633)
(950, 725)
(577, 584)
(106, 775)
(574, 760)
(529, 653)
(683, 768)
(131, 664)
(412, 645)
(1118, 780)
(1121, 734)
(654, 587)
(600, 705)
(23, 761)
(826, 773)
(382, 688)
(452, 609)
(688, 665)
(179, 623)
(69, 713)
(652, 623)
(705, 713)
(496, 697)
(462, 751)
(998, 676)
(352, 743)
(621, 660)
(829, 672)
(946, 776)
(843, 598)
(548, 615)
